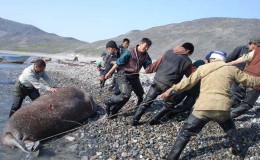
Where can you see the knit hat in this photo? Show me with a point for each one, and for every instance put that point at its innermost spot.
(111, 44)
(188, 46)
(207, 57)
(198, 63)
(219, 55)
(256, 41)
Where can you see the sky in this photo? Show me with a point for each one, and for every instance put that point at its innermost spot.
(93, 20)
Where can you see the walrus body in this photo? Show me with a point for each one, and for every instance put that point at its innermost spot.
(48, 115)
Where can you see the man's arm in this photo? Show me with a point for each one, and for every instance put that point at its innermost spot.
(154, 66)
(48, 79)
(190, 69)
(245, 58)
(108, 66)
(111, 71)
(184, 85)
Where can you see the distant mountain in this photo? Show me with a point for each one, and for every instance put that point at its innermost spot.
(22, 37)
(206, 34)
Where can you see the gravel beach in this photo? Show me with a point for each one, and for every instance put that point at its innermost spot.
(102, 138)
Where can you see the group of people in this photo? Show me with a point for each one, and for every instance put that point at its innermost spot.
(207, 96)
(213, 86)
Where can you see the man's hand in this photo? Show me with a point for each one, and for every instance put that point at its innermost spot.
(166, 95)
(101, 78)
(108, 75)
(99, 68)
(53, 89)
(257, 88)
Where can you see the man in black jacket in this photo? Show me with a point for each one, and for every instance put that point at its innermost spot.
(181, 102)
(169, 70)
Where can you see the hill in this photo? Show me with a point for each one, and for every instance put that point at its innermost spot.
(206, 35)
(22, 37)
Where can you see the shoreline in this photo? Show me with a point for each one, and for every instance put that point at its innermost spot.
(54, 56)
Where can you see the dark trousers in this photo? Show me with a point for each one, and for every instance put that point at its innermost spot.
(20, 92)
(192, 127)
(246, 104)
(170, 110)
(127, 84)
(114, 86)
(155, 90)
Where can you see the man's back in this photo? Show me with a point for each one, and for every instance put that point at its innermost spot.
(172, 68)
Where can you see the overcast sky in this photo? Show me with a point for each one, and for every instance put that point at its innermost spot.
(93, 20)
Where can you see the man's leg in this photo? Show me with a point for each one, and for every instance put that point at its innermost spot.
(119, 100)
(191, 127)
(33, 93)
(229, 127)
(237, 93)
(19, 94)
(182, 107)
(17, 103)
(150, 96)
(247, 103)
(138, 90)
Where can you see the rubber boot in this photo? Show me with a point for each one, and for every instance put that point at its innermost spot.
(239, 111)
(108, 104)
(138, 114)
(139, 101)
(230, 129)
(236, 146)
(177, 148)
(155, 119)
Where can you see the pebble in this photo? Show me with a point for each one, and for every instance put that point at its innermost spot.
(69, 138)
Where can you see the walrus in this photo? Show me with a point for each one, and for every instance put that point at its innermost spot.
(48, 115)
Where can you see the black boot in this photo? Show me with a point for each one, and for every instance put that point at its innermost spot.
(230, 129)
(138, 114)
(139, 101)
(236, 146)
(108, 104)
(155, 119)
(239, 111)
(177, 148)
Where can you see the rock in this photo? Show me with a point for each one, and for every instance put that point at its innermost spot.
(69, 138)
(84, 158)
(72, 148)
(98, 153)
(124, 154)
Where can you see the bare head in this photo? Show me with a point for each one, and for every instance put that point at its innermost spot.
(39, 65)
(126, 43)
(111, 47)
(144, 45)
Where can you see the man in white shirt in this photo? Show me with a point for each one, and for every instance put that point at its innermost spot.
(28, 84)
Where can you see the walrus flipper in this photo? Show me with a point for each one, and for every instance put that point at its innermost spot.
(32, 146)
(10, 140)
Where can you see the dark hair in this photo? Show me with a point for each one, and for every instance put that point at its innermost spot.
(188, 46)
(147, 41)
(40, 63)
(126, 40)
(111, 44)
